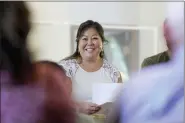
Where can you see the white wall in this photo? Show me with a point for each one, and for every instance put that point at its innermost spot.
(104, 12)
(49, 41)
(151, 14)
(50, 37)
(49, 17)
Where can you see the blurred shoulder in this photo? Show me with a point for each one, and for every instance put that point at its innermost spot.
(142, 94)
(155, 59)
(20, 103)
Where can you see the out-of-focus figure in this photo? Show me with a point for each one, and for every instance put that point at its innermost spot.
(156, 95)
(30, 93)
(59, 107)
(161, 57)
(48, 68)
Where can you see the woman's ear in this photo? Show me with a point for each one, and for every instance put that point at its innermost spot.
(101, 47)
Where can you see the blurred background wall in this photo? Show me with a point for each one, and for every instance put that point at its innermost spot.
(50, 37)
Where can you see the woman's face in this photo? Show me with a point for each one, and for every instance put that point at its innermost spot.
(90, 45)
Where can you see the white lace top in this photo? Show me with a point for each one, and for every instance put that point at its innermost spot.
(83, 81)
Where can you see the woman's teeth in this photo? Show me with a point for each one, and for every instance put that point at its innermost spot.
(89, 50)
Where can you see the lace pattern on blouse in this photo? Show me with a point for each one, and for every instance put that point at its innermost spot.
(71, 66)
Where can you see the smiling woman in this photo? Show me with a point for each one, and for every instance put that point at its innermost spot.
(88, 65)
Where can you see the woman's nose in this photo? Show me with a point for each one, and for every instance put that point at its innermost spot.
(90, 42)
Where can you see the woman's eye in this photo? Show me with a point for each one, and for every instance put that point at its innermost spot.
(95, 38)
(85, 39)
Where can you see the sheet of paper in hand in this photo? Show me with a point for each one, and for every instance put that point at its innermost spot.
(105, 92)
(104, 111)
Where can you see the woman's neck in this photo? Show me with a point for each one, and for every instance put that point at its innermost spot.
(91, 65)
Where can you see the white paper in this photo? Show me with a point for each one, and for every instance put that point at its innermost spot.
(105, 92)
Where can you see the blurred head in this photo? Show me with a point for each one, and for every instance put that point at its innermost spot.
(167, 35)
(58, 104)
(89, 39)
(49, 69)
(175, 20)
(14, 28)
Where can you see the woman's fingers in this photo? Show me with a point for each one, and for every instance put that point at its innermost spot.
(95, 105)
(93, 108)
(89, 108)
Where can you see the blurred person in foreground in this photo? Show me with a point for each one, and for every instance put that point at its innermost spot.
(49, 68)
(164, 56)
(30, 93)
(156, 95)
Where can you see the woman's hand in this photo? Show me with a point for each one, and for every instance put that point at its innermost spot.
(88, 107)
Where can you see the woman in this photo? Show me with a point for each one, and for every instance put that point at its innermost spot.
(88, 65)
(25, 96)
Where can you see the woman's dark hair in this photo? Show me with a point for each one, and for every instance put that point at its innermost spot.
(58, 104)
(82, 28)
(51, 63)
(14, 28)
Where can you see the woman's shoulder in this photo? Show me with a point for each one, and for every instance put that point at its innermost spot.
(107, 65)
(112, 71)
(70, 66)
(67, 62)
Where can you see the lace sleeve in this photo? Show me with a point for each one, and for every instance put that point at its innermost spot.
(116, 75)
(113, 72)
(69, 66)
